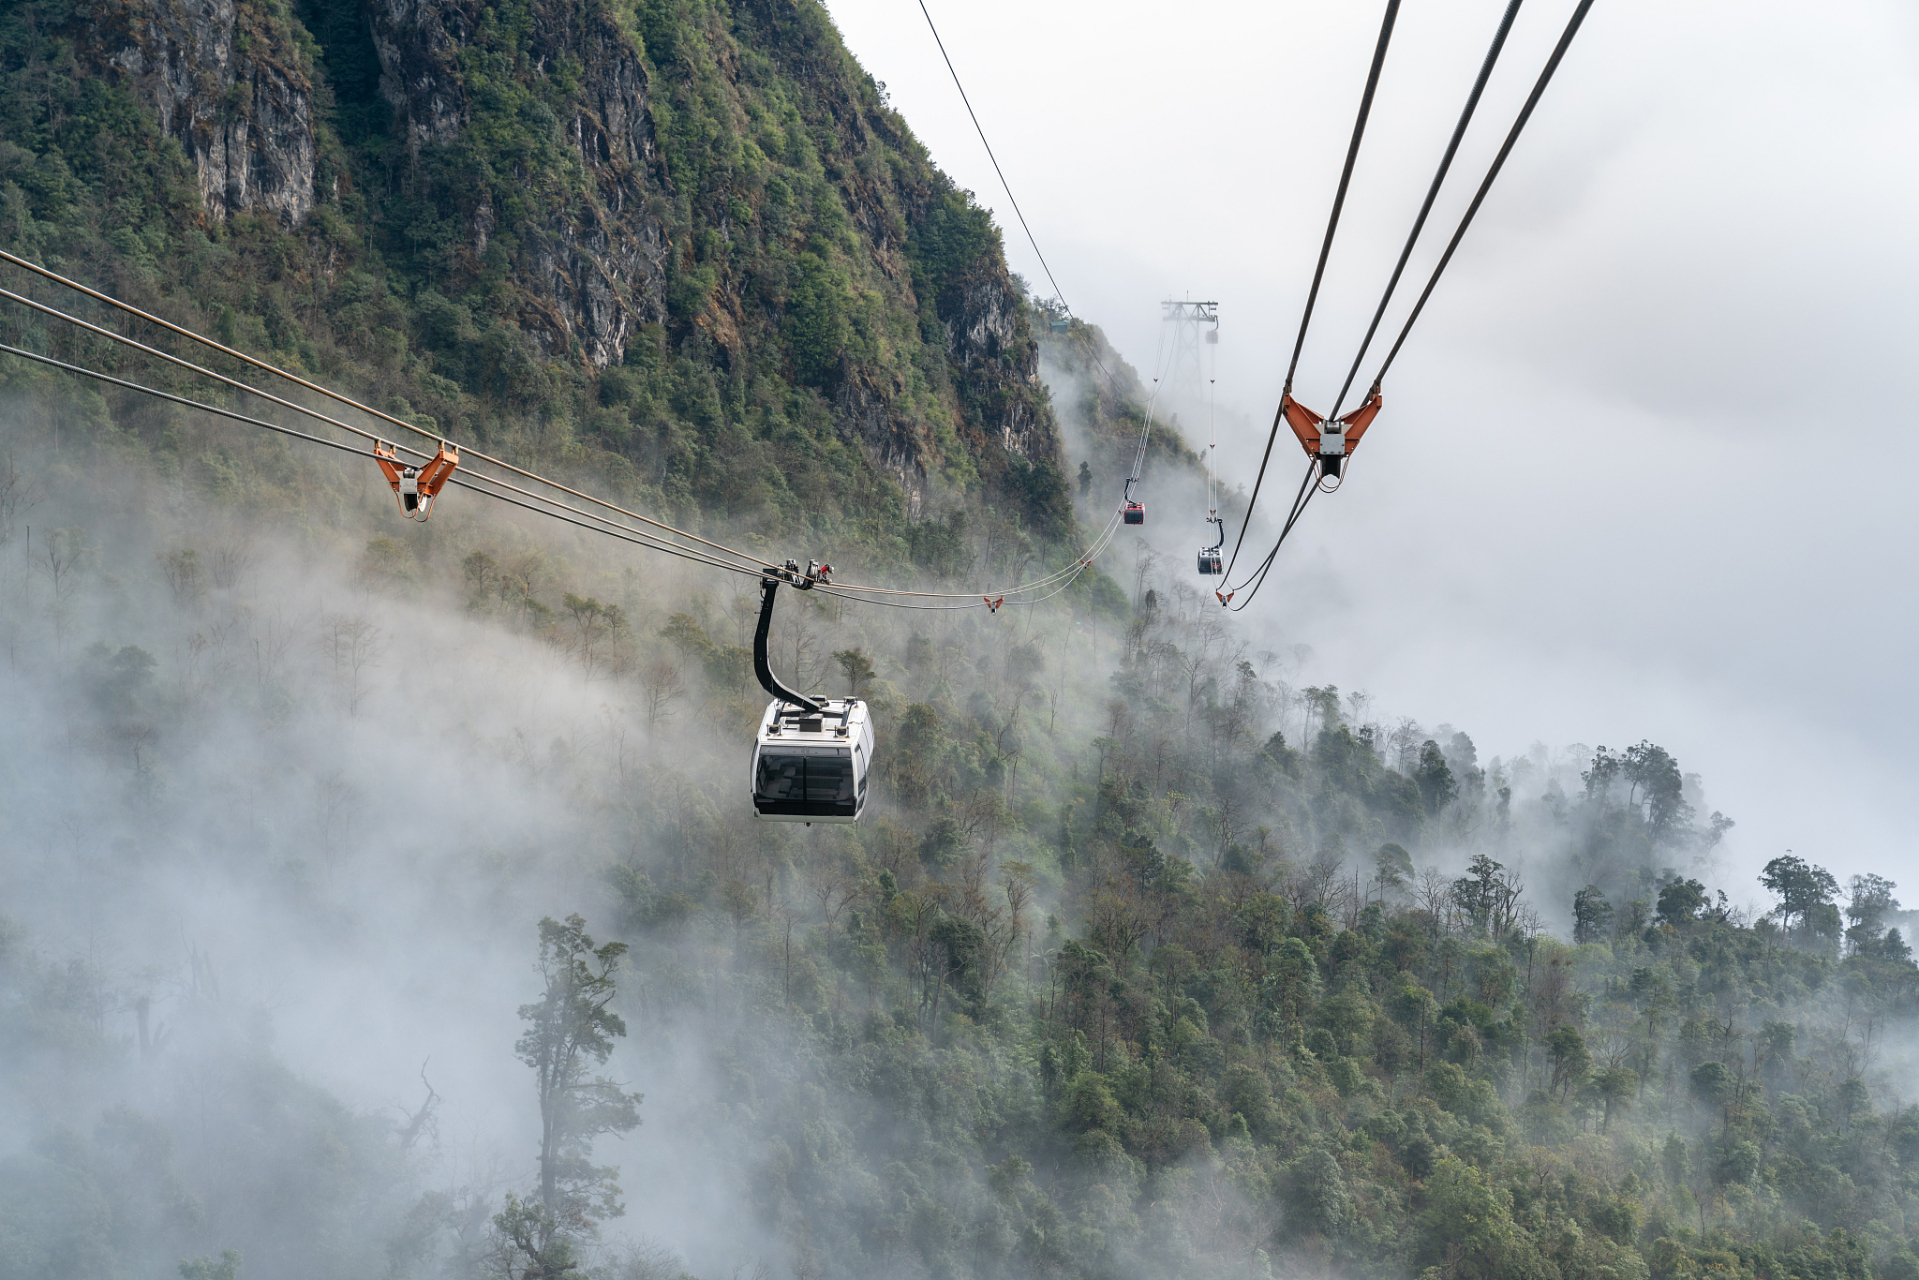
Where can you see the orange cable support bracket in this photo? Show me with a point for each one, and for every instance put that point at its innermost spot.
(416, 488)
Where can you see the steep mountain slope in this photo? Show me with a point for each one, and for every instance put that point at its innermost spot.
(684, 244)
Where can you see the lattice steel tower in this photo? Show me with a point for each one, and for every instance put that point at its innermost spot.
(1195, 326)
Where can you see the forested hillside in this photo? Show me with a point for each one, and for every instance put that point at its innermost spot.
(381, 899)
(685, 246)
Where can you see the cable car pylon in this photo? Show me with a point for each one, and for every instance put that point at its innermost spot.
(1191, 319)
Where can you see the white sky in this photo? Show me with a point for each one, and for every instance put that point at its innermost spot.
(1645, 463)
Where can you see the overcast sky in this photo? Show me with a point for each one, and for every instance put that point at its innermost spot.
(1645, 468)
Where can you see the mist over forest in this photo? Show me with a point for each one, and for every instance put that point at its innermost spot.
(1120, 979)
(384, 898)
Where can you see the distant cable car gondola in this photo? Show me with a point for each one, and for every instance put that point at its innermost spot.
(1211, 563)
(813, 757)
(1132, 512)
(1209, 557)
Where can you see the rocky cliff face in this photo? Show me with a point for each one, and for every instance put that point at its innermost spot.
(228, 83)
(597, 268)
(988, 341)
(419, 41)
(896, 198)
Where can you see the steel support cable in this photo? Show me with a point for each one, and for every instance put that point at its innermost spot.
(1266, 567)
(1006, 186)
(1299, 501)
(1345, 179)
(1512, 136)
(300, 409)
(9, 349)
(475, 454)
(1525, 114)
(127, 308)
(1212, 458)
(473, 478)
(1092, 552)
(472, 481)
(1072, 576)
(606, 527)
(1160, 372)
(1325, 251)
(336, 396)
(475, 483)
(1162, 360)
(1069, 570)
(237, 385)
(1258, 480)
(1212, 438)
(1258, 580)
(552, 507)
(1432, 193)
(901, 604)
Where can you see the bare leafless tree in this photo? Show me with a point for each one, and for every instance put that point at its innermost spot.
(798, 647)
(1434, 895)
(1145, 560)
(1402, 745)
(59, 562)
(1017, 879)
(663, 681)
(229, 563)
(270, 644)
(354, 645)
(835, 889)
(184, 575)
(420, 1123)
(19, 494)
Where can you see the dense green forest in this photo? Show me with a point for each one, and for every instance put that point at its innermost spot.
(382, 900)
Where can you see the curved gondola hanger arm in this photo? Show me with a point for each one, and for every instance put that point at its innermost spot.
(762, 666)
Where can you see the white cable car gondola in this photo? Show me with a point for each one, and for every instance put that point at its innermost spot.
(812, 768)
(1210, 559)
(813, 757)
